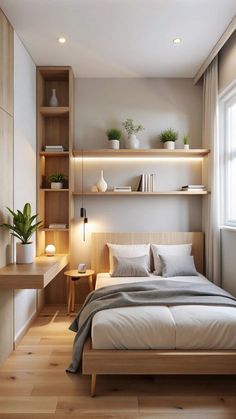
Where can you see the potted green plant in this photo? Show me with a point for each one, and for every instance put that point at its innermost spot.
(168, 138)
(114, 136)
(186, 142)
(132, 130)
(23, 229)
(56, 180)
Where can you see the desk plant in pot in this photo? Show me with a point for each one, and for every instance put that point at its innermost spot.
(168, 138)
(114, 136)
(131, 129)
(23, 229)
(56, 180)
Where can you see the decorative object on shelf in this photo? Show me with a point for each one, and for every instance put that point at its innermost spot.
(50, 250)
(82, 268)
(59, 226)
(194, 188)
(122, 189)
(56, 180)
(131, 129)
(54, 148)
(114, 136)
(147, 182)
(53, 99)
(101, 184)
(23, 229)
(94, 188)
(168, 138)
(186, 142)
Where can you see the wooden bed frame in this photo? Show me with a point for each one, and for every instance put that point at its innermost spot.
(106, 362)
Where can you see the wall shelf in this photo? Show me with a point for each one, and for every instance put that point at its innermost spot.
(101, 153)
(54, 153)
(110, 193)
(54, 190)
(51, 111)
(36, 275)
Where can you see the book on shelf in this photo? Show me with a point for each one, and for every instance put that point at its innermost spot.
(122, 189)
(196, 188)
(57, 225)
(147, 182)
(53, 148)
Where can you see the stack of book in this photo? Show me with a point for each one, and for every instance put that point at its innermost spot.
(147, 182)
(195, 188)
(122, 189)
(57, 226)
(54, 148)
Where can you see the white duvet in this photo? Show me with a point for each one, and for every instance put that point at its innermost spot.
(175, 327)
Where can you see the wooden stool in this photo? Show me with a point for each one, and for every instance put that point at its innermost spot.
(73, 276)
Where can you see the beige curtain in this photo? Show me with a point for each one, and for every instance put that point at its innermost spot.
(211, 204)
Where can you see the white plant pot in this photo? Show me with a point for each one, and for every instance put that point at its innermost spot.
(56, 185)
(169, 145)
(186, 146)
(25, 252)
(114, 144)
(102, 184)
(132, 142)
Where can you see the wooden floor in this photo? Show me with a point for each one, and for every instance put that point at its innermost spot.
(34, 385)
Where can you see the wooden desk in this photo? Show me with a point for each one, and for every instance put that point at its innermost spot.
(36, 275)
(73, 276)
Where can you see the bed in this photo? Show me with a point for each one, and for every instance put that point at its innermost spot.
(157, 340)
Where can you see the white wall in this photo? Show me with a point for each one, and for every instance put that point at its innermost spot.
(24, 160)
(157, 104)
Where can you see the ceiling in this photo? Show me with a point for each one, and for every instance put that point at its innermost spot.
(121, 38)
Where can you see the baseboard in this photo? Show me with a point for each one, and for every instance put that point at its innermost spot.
(24, 329)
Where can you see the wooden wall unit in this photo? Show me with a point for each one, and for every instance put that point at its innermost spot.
(6, 181)
(55, 126)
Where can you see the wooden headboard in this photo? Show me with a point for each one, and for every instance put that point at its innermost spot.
(100, 254)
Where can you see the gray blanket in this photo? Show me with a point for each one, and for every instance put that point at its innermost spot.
(147, 293)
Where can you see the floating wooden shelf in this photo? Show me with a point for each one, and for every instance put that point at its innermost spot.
(100, 153)
(54, 190)
(36, 275)
(54, 229)
(110, 193)
(54, 153)
(50, 111)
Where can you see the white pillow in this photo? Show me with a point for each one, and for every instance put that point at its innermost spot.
(128, 251)
(168, 249)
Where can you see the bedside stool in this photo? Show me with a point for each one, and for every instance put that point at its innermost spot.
(73, 276)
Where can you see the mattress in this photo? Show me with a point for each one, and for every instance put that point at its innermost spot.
(163, 327)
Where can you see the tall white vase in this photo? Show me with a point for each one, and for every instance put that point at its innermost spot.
(101, 184)
(132, 141)
(53, 99)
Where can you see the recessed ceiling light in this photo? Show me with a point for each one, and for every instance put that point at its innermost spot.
(177, 41)
(62, 40)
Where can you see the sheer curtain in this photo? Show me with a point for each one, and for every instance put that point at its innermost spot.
(211, 203)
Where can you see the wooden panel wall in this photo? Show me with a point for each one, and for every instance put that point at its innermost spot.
(6, 178)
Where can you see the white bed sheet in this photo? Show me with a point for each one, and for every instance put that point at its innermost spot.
(153, 327)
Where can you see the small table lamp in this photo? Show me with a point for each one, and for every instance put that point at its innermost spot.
(50, 250)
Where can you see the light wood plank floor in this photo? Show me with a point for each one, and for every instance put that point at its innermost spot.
(34, 385)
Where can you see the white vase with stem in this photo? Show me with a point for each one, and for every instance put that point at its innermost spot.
(53, 99)
(101, 184)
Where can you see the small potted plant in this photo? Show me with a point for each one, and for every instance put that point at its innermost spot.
(186, 142)
(23, 228)
(132, 130)
(168, 138)
(114, 136)
(56, 180)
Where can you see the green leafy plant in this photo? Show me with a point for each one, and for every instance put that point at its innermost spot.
(114, 134)
(57, 177)
(130, 128)
(168, 135)
(186, 139)
(23, 226)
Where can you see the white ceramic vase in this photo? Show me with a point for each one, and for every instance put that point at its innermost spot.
(56, 185)
(132, 142)
(114, 144)
(101, 184)
(24, 253)
(53, 99)
(186, 146)
(169, 145)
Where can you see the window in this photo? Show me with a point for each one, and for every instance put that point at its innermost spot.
(228, 141)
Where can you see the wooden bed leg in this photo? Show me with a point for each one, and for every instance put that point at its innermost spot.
(93, 385)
